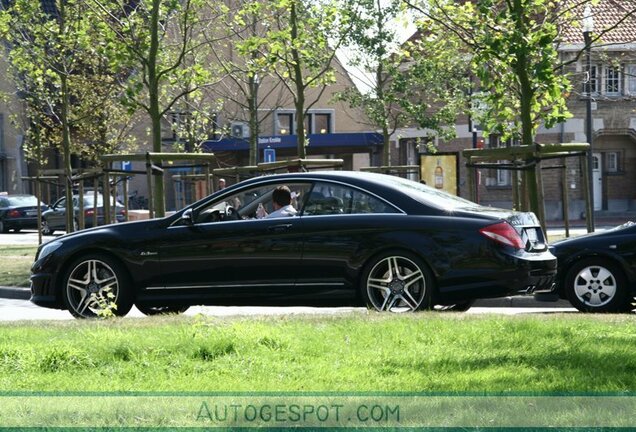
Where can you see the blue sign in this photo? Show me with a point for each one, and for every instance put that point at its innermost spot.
(269, 155)
(126, 166)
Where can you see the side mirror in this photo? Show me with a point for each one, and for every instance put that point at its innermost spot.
(186, 217)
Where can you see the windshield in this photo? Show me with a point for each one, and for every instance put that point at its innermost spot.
(90, 199)
(26, 200)
(429, 195)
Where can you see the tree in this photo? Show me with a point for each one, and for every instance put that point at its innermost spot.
(304, 37)
(156, 37)
(514, 55)
(241, 50)
(419, 83)
(56, 59)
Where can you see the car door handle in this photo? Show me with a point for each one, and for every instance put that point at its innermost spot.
(279, 227)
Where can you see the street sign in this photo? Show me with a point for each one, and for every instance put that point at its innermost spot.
(126, 166)
(269, 155)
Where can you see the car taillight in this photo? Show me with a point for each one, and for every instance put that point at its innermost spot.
(89, 212)
(122, 212)
(503, 233)
(13, 213)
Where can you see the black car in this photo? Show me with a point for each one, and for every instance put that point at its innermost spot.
(358, 238)
(55, 217)
(18, 212)
(597, 272)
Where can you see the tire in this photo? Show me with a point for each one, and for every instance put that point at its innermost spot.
(87, 282)
(457, 307)
(597, 285)
(396, 281)
(45, 228)
(161, 310)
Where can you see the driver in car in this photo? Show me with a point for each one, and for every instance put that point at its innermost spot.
(281, 201)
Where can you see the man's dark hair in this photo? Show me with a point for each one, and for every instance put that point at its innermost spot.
(282, 196)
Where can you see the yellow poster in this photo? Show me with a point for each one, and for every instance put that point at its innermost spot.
(439, 171)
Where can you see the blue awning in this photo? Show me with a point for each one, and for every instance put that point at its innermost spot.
(354, 139)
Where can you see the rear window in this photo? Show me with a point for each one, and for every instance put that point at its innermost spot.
(429, 195)
(26, 200)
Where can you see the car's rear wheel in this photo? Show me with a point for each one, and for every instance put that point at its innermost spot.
(97, 285)
(161, 310)
(397, 282)
(46, 228)
(597, 285)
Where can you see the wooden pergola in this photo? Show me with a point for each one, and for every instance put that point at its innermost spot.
(527, 160)
(154, 167)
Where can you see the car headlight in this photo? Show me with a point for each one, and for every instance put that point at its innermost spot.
(48, 248)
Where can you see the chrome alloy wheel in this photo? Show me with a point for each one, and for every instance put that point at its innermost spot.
(396, 284)
(595, 286)
(91, 287)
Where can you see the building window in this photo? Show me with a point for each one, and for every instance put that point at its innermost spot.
(285, 123)
(612, 162)
(316, 122)
(612, 81)
(322, 123)
(630, 71)
(594, 79)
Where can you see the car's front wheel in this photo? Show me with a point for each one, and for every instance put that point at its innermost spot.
(97, 285)
(397, 282)
(161, 310)
(597, 285)
(46, 228)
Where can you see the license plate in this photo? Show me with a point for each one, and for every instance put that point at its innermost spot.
(31, 213)
(532, 234)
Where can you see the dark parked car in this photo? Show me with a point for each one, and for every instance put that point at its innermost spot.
(55, 217)
(358, 238)
(19, 212)
(597, 272)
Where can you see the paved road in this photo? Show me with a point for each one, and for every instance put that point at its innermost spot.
(16, 310)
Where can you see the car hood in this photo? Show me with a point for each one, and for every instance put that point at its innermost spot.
(117, 228)
(631, 226)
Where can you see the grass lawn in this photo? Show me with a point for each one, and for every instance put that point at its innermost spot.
(15, 264)
(423, 352)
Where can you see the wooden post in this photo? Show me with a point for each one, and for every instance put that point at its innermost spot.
(208, 180)
(564, 197)
(80, 191)
(38, 193)
(95, 196)
(471, 181)
(587, 193)
(151, 203)
(539, 196)
(125, 188)
(106, 197)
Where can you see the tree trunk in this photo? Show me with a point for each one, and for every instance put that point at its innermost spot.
(155, 113)
(299, 101)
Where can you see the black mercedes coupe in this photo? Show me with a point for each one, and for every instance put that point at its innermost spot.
(357, 238)
(597, 272)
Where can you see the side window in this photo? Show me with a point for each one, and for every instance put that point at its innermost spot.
(244, 204)
(61, 203)
(329, 199)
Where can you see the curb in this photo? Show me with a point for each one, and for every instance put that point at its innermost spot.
(15, 293)
(522, 301)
